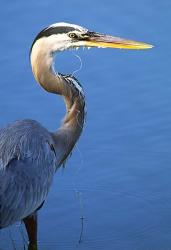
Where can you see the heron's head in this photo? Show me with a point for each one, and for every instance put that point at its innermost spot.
(62, 36)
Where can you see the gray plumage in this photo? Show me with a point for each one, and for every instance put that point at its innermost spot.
(27, 165)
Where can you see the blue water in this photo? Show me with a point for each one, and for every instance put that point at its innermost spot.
(118, 178)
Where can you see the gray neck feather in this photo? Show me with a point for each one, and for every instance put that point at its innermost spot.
(67, 135)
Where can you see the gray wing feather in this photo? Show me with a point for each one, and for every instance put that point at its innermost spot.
(27, 166)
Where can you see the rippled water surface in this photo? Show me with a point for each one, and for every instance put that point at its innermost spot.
(115, 192)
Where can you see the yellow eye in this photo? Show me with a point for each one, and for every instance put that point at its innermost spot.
(72, 35)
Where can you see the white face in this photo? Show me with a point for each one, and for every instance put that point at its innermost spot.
(60, 42)
(47, 43)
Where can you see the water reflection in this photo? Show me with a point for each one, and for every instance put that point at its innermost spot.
(121, 215)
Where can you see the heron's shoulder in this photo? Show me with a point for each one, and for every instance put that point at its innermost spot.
(23, 128)
(23, 125)
(25, 139)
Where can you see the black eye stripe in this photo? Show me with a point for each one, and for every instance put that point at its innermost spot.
(51, 31)
(55, 30)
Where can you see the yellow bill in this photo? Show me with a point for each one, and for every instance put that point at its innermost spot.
(105, 41)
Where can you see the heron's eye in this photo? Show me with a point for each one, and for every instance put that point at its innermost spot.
(72, 35)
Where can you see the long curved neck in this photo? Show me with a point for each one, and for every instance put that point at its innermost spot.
(67, 135)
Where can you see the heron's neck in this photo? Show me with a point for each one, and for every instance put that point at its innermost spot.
(67, 135)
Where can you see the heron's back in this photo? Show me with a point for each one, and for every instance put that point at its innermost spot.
(27, 166)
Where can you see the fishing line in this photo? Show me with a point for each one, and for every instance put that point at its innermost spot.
(81, 64)
(79, 194)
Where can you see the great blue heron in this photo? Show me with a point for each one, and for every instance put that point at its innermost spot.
(29, 153)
